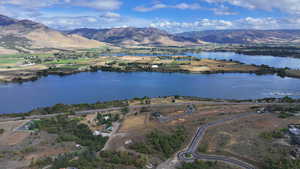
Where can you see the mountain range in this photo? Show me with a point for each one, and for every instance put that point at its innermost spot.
(245, 36)
(28, 36)
(136, 36)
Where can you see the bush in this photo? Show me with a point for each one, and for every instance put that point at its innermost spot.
(274, 134)
(198, 165)
(142, 148)
(158, 141)
(71, 130)
(203, 148)
(2, 131)
(282, 164)
(124, 158)
(285, 115)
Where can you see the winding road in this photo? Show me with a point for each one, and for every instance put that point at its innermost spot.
(191, 153)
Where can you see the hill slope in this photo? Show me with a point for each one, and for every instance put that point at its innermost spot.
(135, 36)
(245, 36)
(29, 36)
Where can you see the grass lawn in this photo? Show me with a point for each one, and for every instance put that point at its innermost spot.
(69, 61)
(10, 60)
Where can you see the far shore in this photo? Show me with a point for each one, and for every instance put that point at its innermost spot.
(164, 64)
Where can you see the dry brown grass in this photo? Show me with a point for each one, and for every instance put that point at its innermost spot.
(4, 51)
(11, 137)
(133, 123)
(243, 138)
(46, 152)
(42, 38)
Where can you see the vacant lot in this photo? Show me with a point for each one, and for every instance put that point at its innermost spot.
(10, 136)
(243, 138)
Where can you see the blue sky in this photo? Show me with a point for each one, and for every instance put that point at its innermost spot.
(170, 15)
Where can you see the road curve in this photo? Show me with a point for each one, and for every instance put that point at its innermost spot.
(191, 154)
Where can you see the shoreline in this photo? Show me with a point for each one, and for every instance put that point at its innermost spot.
(259, 70)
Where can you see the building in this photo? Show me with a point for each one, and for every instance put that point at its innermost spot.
(154, 66)
(294, 130)
(190, 109)
(156, 114)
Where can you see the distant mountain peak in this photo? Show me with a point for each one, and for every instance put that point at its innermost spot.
(31, 24)
(26, 35)
(135, 36)
(5, 20)
(245, 36)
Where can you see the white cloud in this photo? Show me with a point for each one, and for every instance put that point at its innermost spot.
(289, 6)
(187, 6)
(106, 20)
(111, 15)
(31, 4)
(97, 4)
(192, 26)
(182, 6)
(222, 10)
(244, 23)
(35, 4)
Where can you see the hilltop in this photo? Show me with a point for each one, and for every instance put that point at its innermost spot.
(28, 36)
(135, 36)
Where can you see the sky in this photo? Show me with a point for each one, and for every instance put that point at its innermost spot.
(170, 15)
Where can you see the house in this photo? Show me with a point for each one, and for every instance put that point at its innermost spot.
(154, 66)
(96, 133)
(109, 128)
(149, 166)
(99, 133)
(105, 134)
(128, 142)
(106, 118)
(190, 109)
(294, 130)
(156, 114)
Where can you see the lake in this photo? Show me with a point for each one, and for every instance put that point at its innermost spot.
(90, 87)
(277, 62)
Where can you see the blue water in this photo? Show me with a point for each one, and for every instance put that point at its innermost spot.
(277, 62)
(103, 86)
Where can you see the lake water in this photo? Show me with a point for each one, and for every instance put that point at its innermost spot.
(277, 62)
(103, 86)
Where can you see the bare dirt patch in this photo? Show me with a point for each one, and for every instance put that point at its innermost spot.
(10, 136)
(133, 122)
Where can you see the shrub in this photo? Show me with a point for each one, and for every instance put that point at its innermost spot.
(198, 165)
(158, 141)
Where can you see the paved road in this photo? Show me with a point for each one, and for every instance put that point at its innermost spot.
(139, 106)
(191, 153)
(130, 107)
